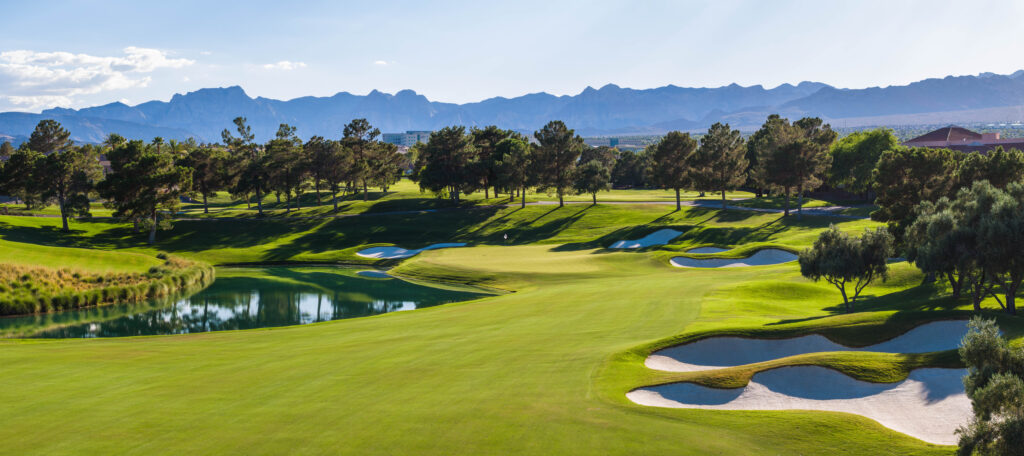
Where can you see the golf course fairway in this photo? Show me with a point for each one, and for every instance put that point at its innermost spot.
(542, 370)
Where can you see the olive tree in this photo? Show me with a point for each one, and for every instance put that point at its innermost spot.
(960, 239)
(844, 260)
(995, 385)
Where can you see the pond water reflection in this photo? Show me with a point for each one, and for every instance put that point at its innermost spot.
(244, 298)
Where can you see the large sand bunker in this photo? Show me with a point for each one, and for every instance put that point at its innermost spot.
(718, 352)
(392, 253)
(660, 237)
(930, 404)
(760, 258)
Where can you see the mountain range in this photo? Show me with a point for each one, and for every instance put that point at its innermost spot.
(609, 110)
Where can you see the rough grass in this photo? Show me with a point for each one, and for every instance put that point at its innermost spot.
(25, 290)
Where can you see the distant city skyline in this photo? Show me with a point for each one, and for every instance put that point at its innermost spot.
(462, 51)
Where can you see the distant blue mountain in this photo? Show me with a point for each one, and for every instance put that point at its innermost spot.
(611, 109)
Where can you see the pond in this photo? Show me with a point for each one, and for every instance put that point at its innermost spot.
(245, 298)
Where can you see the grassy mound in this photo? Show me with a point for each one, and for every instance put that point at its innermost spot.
(26, 289)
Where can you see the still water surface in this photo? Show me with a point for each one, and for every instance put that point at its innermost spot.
(245, 298)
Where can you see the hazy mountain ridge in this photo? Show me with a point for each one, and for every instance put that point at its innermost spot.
(611, 109)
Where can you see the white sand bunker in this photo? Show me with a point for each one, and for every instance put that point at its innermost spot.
(392, 253)
(659, 237)
(760, 258)
(707, 250)
(929, 405)
(718, 352)
(373, 274)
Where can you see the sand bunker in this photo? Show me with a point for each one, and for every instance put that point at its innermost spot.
(760, 258)
(718, 352)
(392, 253)
(707, 250)
(929, 405)
(373, 274)
(659, 237)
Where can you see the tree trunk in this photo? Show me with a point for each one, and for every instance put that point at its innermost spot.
(800, 202)
(259, 200)
(561, 202)
(316, 184)
(334, 196)
(63, 214)
(723, 200)
(785, 213)
(1010, 288)
(366, 195)
(278, 196)
(206, 207)
(298, 200)
(486, 194)
(846, 300)
(977, 292)
(522, 197)
(152, 229)
(595, 197)
(954, 284)
(679, 201)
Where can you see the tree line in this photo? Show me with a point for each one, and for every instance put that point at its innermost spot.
(145, 181)
(782, 156)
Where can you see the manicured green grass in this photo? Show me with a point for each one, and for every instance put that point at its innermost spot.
(406, 196)
(53, 256)
(543, 370)
(336, 240)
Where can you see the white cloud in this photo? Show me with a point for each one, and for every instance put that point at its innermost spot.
(37, 102)
(380, 62)
(284, 65)
(37, 80)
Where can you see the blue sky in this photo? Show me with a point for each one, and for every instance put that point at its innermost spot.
(77, 53)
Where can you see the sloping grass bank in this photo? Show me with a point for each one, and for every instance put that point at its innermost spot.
(27, 289)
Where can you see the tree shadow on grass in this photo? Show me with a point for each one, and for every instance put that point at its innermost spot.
(921, 299)
(113, 237)
(533, 232)
(412, 230)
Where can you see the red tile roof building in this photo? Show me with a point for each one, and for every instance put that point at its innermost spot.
(964, 140)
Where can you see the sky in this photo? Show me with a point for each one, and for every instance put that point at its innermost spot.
(79, 53)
